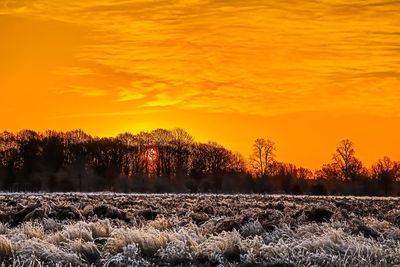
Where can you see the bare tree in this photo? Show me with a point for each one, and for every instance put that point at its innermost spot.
(180, 136)
(386, 172)
(269, 154)
(182, 142)
(162, 136)
(263, 156)
(237, 163)
(344, 158)
(256, 158)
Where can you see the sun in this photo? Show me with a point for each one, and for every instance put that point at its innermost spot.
(151, 154)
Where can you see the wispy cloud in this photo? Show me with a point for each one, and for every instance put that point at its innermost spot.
(85, 91)
(103, 114)
(252, 57)
(128, 95)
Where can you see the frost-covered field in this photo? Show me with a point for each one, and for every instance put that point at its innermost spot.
(197, 230)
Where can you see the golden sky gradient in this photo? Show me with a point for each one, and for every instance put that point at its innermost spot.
(305, 74)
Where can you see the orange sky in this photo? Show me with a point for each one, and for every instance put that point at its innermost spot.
(305, 75)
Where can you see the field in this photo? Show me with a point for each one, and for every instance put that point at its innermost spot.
(197, 230)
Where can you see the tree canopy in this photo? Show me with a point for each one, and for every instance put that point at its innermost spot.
(172, 161)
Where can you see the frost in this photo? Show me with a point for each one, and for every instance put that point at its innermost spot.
(130, 256)
(205, 230)
(252, 228)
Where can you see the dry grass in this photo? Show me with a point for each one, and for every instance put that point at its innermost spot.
(239, 230)
(6, 248)
(87, 250)
(33, 231)
(100, 229)
(149, 240)
(46, 253)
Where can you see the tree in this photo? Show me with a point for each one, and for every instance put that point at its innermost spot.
(329, 171)
(386, 172)
(263, 156)
(237, 163)
(181, 142)
(269, 154)
(29, 150)
(9, 159)
(53, 150)
(344, 158)
(180, 136)
(162, 139)
(76, 156)
(257, 160)
(130, 144)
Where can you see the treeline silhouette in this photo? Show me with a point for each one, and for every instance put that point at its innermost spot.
(171, 161)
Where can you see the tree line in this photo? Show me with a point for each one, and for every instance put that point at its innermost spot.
(171, 161)
(344, 175)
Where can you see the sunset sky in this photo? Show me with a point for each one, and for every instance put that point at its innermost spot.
(305, 74)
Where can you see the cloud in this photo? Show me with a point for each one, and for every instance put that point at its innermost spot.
(162, 100)
(86, 91)
(75, 71)
(251, 57)
(101, 114)
(128, 95)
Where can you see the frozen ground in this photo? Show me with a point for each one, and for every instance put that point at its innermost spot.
(197, 230)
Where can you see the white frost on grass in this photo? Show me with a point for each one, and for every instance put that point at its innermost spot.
(174, 238)
(45, 252)
(130, 257)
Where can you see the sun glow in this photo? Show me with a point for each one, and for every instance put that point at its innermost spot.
(151, 155)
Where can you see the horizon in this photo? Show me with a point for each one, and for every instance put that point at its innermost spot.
(305, 75)
(246, 158)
